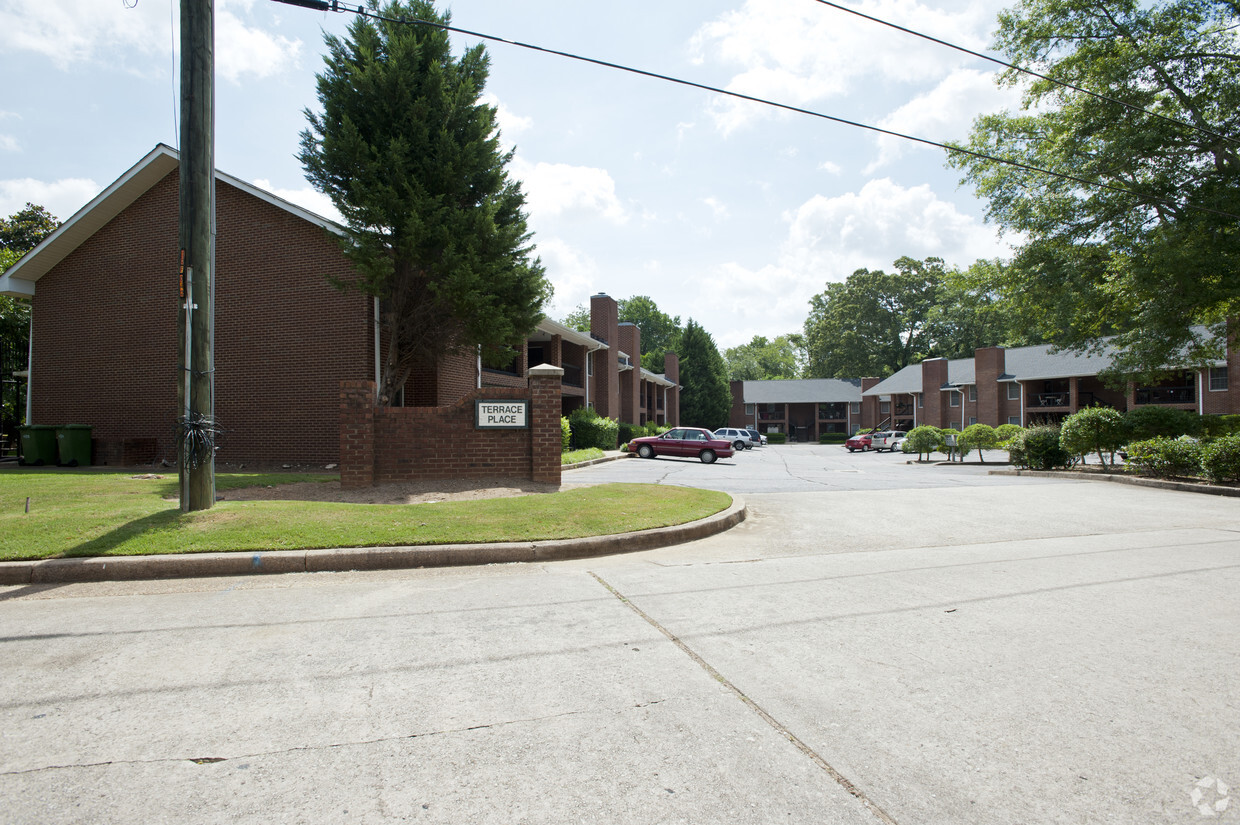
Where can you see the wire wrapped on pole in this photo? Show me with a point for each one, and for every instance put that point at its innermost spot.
(196, 437)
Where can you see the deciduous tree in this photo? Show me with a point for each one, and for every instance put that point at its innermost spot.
(1149, 245)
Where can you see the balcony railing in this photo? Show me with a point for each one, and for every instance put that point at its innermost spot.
(770, 416)
(1166, 395)
(1050, 399)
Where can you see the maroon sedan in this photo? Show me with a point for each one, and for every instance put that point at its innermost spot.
(683, 442)
(860, 441)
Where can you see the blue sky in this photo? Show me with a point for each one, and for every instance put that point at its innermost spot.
(727, 212)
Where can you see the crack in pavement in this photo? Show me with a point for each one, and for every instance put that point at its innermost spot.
(211, 760)
(843, 781)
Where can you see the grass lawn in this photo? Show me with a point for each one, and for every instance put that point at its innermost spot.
(93, 513)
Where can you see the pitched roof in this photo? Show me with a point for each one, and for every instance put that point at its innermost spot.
(19, 280)
(801, 391)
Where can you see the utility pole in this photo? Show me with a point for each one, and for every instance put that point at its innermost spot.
(196, 389)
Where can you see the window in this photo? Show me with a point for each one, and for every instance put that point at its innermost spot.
(955, 398)
(1218, 379)
(1013, 391)
(855, 408)
(973, 392)
(749, 410)
(589, 363)
(884, 407)
(973, 419)
(1014, 419)
(921, 400)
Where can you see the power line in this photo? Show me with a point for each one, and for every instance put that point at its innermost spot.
(335, 5)
(1030, 72)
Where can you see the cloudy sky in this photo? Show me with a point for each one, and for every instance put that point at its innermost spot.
(730, 213)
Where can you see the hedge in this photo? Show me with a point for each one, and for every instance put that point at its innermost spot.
(591, 430)
(1164, 457)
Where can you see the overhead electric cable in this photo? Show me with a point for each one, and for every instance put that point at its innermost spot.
(334, 5)
(1016, 68)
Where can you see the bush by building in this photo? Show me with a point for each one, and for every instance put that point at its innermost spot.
(1220, 459)
(1098, 430)
(1164, 457)
(924, 439)
(1038, 448)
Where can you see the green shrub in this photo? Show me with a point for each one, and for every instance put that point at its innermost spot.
(1005, 432)
(1144, 423)
(1216, 426)
(1165, 457)
(1220, 459)
(832, 438)
(776, 438)
(1094, 429)
(627, 432)
(566, 435)
(579, 456)
(978, 437)
(591, 430)
(923, 439)
(1038, 448)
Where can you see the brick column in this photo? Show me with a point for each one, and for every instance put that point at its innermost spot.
(988, 364)
(545, 389)
(870, 415)
(357, 434)
(933, 377)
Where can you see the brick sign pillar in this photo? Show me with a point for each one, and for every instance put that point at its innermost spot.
(357, 434)
(545, 412)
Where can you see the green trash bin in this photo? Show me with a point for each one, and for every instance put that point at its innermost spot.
(73, 445)
(38, 444)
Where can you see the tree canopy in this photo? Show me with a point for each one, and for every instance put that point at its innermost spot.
(19, 233)
(873, 323)
(1150, 246)
(434, 226)
(762, 360)
(706, 398)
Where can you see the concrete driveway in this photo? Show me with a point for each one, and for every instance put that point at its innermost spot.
(941, 647)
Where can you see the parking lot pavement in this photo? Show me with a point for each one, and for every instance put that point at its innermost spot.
(792, 468)
(977, 650)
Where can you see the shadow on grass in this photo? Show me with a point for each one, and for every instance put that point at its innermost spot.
(108, 543)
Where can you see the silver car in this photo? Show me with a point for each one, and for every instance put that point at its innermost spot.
(741, 439)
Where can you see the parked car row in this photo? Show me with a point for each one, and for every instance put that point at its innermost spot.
(890, 440)
(696, 442)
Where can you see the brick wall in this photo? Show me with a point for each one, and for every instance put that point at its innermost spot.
(105, 332)
(381, 445)
(630, 338)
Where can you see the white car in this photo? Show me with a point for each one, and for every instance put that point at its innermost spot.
(741, 439)
(890, 440)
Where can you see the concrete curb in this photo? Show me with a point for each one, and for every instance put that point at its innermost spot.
(1181, 486)
(195, 565)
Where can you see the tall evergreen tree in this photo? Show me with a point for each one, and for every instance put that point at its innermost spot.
(411, 158)
(706, 398)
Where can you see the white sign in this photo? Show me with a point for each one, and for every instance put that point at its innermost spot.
(502, 414)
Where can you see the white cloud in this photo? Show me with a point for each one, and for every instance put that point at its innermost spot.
(8, 143)
(62, 197)
(510, 123)
(306, 198)
(830, 168)
(717, 207)
(555, 188)
(944, 113)
(244, 51)
(573, 274)
(829, 238)
(804, 53)
(90, 31)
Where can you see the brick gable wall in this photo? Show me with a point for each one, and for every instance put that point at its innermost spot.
(105, 322)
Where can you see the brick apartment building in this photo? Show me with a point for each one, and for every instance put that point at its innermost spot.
(1033, 385)
(1025, 386)
(104, 296)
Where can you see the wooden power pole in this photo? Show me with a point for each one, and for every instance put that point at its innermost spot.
(196, 389)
